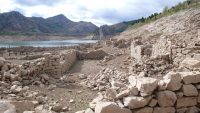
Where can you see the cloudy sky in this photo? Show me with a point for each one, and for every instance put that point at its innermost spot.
(97, 11)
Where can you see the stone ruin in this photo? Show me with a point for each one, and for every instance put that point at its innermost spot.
(42, 69)
(151, 59)
(176, 92)
(162, 47)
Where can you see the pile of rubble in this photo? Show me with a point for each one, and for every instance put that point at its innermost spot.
(104, 79)
(176, 92)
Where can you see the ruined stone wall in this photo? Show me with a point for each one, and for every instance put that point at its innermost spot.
(67, 59)
(177, 92)
(52, 65)
(56, 65)
(140, 51)
(92, 55)
(162, 47)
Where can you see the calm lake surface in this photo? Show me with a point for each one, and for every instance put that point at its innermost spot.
(46, 43)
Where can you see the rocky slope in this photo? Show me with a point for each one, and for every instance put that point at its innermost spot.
(180, 28)
(16, 22)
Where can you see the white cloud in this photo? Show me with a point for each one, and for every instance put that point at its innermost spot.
(97, 11)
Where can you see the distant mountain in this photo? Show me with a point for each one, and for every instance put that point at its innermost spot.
(14, 22)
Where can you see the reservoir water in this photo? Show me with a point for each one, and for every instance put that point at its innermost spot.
(46, 43)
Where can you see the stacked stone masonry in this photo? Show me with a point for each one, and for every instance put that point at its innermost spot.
(176, 92)
(52, 65)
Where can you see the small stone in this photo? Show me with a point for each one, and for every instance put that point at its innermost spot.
(123, 94)
(79, 92)
(16, 89)
(82, 76)
(110, 94)
(133, 91)
(71, 101)
(179, 94)
(153, 103)
(57, 108)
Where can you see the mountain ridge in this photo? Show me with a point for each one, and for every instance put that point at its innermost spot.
(15, 22)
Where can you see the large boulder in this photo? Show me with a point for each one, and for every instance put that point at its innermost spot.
(186, 102)
(144, 110)
(190, 77)
(190, 90)
(136, 102)
(166, 98)
(173, 81)
(146, 85)
(164, 110)
(110, 107)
